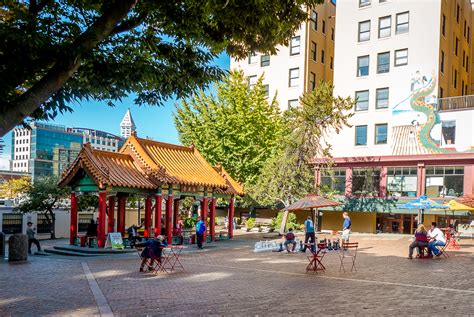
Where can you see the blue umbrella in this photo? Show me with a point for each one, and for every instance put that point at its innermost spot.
(422, 203)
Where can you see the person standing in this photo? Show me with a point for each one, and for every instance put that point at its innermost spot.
(309, 233)
(30, 232)
(346, 227)
(436, 237)
(200, 229)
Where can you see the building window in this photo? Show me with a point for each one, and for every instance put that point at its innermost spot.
(322, 56)
(313, 51)
(383, 62)
(12, 223)
(456, 46)
(363, 66)
(402, 181)
(381, 100)
(332, 34)
(463, 58)
(364, 3)
(455, 79)
(334, 180)
(252, 80)
(385, 26)
(293, 103)
(295, 45)
(42, 225)
(264, 60)
(266, 88)
(362, 100)
(465, 29)
(467, 63)
(402, 23)
(314, 20)
(381, 133)
(468, 34)
(440, 92)
(361, 135)
(443, 25)
(442, 181)
(401, 57)
(312, 81)
(331, 63)
(441, 66)
(365, 181)
(294, 75)
(448, 132)
(364, 31)
(323, 28)
(253, 58)
(83, 221)
(457, 13)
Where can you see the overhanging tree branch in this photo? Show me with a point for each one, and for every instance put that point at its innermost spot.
(65, 66)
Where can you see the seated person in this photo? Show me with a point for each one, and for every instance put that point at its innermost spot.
(133, 235)
(436, 238)
(152, 251)
(290, 239)
(421, 241)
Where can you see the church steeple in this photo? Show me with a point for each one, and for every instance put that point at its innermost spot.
(127, 126)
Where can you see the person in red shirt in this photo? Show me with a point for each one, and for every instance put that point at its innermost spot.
(421, 241)
(290, 239)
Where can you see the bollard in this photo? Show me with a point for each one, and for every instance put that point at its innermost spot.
(18, 247)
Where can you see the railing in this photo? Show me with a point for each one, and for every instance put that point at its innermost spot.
(456, 103)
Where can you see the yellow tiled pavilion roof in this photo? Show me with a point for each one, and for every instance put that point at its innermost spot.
(149, 164)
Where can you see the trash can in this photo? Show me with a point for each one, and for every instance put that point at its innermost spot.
(2, 245)
(18, 247)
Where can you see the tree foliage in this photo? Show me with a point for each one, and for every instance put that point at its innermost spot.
(43, 196)
(14, 187)
(239, 127)
(288, 176)
(57, 52)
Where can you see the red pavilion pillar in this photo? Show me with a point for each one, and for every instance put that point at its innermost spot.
(212, 225)
(204, 205)
(121, 214)
(231, 217)
(147, 217)
(73, 224)
(168, 216)
(175, 213)
(101, 219)
(111, 211)
(159, 202)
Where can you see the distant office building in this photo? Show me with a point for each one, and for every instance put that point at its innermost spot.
(127, 126)
(299, 66)
(47, 149)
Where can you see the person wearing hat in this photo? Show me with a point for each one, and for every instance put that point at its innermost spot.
(30, 232)
(152, 251)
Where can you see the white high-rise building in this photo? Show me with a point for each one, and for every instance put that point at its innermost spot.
(127, 126)
(298, 67)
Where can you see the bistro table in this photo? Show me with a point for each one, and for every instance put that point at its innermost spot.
(317, 255)
(170, 256)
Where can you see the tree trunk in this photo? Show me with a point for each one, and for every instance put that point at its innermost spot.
(51, 219)
(65, 66)
(283, 222)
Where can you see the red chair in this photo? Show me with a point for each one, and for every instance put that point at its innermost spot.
(316, 257)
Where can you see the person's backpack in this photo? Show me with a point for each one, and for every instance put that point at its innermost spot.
(202, 229)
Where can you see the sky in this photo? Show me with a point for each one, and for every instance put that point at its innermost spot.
(151, 121)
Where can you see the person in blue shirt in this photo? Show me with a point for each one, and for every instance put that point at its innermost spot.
(309, 233)
(200, 229)
(152, 251)
(346, 227)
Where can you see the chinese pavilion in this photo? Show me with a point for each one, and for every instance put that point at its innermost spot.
(159, 171)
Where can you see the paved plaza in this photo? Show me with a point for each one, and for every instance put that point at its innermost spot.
(228, 278)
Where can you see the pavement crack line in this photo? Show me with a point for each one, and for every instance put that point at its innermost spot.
(465, 291)
(101, 301)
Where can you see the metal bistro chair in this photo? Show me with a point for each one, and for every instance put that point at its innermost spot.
(348, 251)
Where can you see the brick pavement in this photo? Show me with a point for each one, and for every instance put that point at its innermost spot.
(232, 280)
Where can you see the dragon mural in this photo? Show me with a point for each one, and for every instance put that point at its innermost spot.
(422, 101)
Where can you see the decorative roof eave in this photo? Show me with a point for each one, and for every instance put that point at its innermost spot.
(234, 187)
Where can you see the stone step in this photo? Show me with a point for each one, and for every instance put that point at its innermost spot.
(96, 251)
(68, 253)
(42, 253)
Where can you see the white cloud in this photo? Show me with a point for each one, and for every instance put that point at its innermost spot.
(4, 163)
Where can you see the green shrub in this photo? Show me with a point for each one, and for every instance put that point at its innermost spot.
(290, 223)
(250, 223)
(189, 223)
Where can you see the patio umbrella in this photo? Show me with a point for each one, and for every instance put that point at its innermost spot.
(457, 206)
(422, 203)
(309, 202)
